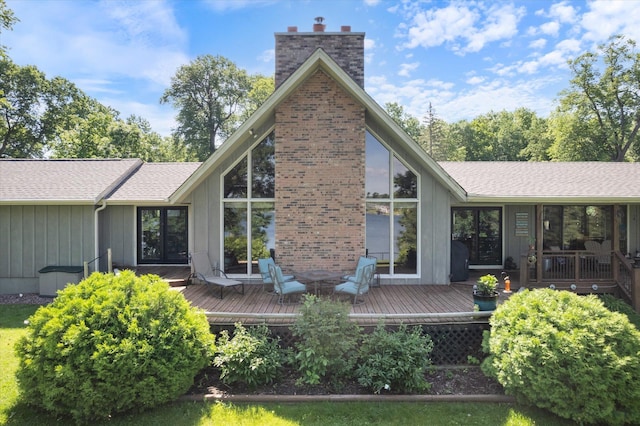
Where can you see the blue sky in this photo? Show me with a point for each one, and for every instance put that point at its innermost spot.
(466, 58)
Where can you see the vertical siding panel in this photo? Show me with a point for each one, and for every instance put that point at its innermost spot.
(40, 243)
(28, 248)
(51, 230)
(5, 240)
(16, 237)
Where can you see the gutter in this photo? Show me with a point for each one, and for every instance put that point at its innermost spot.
(96, 229)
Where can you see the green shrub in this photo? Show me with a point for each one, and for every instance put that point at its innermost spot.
(617, 305)
(112, 344)
(395, 361)
(327, 341)
(251, 356)
(568, 354)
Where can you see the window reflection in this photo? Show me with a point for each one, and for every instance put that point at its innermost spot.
(235, 237)
(392, 226)
(405, 239)
(377, 169)
(235, 182)
(405, 182)
(249, 225)
(263, 169)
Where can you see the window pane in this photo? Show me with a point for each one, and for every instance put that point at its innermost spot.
(235, 237)
(264, 169)
(405, 219)
(377, 169)
(263, 230)
(150, 242)
(479, 229)
(405, 182)
(176, 236)
(379, 234)
(235, 182)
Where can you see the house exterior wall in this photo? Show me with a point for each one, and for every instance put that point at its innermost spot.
(32, 237)
(118, 232)
(320, 169)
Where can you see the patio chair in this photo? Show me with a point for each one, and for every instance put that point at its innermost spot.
(203, 270)
(360, 286)
(362, 262)
(284, 288)
(263, 267)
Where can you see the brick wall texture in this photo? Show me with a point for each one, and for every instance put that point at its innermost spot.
(347, 49)
(320, 171)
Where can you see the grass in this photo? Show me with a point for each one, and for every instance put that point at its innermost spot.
(13, 412)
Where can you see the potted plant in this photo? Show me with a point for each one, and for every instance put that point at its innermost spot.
(485, 295)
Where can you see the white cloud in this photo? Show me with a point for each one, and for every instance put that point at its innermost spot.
(563, 12)
(371, 2)
(267, 56)
(464, 27)
(475, 80)
(609, 17)
(407, 69)
(550, 28)
(538, 44)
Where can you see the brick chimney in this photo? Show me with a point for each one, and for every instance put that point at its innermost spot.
(320, 155)
(345, 47)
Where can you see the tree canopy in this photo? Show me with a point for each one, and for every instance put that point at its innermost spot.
(601, 109)
(208, 92)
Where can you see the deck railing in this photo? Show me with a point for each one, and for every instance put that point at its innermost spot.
(583, 272)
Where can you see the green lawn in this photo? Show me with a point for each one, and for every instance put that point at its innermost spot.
(12, 412)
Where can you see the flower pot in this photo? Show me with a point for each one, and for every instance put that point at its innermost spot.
(485, 303)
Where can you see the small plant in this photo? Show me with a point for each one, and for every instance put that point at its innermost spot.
(395, 361)
(327, 342)
(486, 285)
(472, 360)
(251, 356)
(111, 344)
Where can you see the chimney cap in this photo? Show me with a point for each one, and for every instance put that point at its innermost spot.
(319, 20)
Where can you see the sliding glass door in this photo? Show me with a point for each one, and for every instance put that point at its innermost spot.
(162, 235)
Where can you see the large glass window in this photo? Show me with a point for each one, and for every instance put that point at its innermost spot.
(569, 227)
(249, 210)
(392, 210)
(480, 230)
(162, 235)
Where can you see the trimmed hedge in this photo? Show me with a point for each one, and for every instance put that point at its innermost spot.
(111, 344)
(568, 354)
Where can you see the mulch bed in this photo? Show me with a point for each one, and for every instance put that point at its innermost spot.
(447, 380)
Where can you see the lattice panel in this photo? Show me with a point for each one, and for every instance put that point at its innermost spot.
(452, 343)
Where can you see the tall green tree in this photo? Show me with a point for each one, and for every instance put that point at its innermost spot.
(7, 19)
(604, 98)
(207, 92)
(410, 124)
(31, 110)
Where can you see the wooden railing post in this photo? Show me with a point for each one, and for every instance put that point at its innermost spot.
(635, 289)
(524, 271)
(86, 269)
(109, 261)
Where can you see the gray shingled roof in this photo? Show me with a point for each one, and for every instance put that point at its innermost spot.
(61, 181)
(154, 182)
(528, 181)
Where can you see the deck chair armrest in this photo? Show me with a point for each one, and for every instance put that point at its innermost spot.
(216, 269)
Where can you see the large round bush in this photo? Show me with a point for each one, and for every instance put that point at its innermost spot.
(568, 354)
(111, 344)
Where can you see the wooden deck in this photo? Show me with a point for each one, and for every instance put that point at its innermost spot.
(409, 304)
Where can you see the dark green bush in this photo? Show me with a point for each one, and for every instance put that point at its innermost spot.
(327, 342)
(395, 361)
(617, 305)
(251, 356)
(568, 354)
(112, 344)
